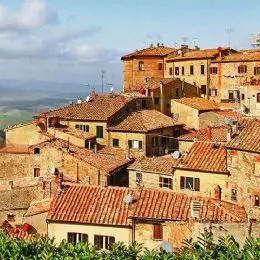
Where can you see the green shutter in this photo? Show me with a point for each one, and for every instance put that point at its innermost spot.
(99, 131)
(140, 144)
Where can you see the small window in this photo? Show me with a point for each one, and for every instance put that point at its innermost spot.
(202, 69)
(36, 172)
(100, 131)
(182, 70)
(213, 70)
(77, 126)
(10, 218)
(258, 97)
(103, 242)
(257, 201)
(36, 150)
(256, 70)
(191, 70)
(242, 69)
(75, 238)
(160, 66)
(203, 89)
(115, 142)
(135, 144)
(165, 182)
(155, 141)
(213, 92)
(234, 195)
(141, 65)
(158, 231)
(157, 101)
(84, 128)
(190, 183)
(177, 71)
(242, 96)
(138, 178)
(231, 95)
(170, 71)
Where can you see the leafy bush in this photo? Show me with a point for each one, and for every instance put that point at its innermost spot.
(226, 248)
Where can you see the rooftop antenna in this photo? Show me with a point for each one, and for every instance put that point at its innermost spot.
(255, 40)
(185, 40)
(195, 42)
(229, 32)
(111, 86)
(102, 78)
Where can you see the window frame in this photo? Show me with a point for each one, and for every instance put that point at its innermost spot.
(107, 241)
(157, 231)
(131, 144)
(170, 71)
(234, 196)
(116, 142)
(257, 201)
(75, 237)
(182, 71)
(202, 69)
(256, 70)
(177, 71)
(242, 69)
(191, 69)
(213, 70)
(36, 150)
(36, 172)
(141, 66)
(168, 184)
(98, 129)
(195, 183)
(203, 89)
(138, 177)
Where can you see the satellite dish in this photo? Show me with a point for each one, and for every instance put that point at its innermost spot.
(128, 199)
(176, 155)
(87, 98)
(166, 246)
(52, 170)
(79, 101)
(179, 52)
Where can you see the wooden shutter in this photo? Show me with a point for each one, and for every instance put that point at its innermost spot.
(160, 181)
(157, 231)
(130, 143)
(182, 182)
(197, 184)
(140, 144)
(170, 181)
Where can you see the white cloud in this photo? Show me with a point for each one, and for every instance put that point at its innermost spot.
(33, 15)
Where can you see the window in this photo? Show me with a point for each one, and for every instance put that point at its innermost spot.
(190, 183)
(170, 71)
(177, 92)
(74, 238)
(177, 71)
(165, 182)
(256, 70)
(230, 95)
(10, 217)
(138, 177)
(182, 70)
(99, 131)
(155, 141)
(242, 69)
(213, 70)
(203, 89)
(242, 96)
(36, 150)
(158, 231)
(84, 128)
(141, 65)
(160, 66)
(257, 201)
(115, 142)
(103, 242)
(234, 195)
(258, 97)
(36, 172)
(213, 92)
(157, 101)
(135, 144)
(176, 133)
(202, 69)
(191, 69)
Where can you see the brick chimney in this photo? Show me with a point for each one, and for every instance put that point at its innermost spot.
(209, 133)
(217, 192)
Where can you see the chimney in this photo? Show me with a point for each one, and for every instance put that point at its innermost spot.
(184, 48)
(158, 44)
(209, 133)
(220, 52)
(217, 193)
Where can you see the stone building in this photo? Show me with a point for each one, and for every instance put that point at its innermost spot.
(194, 67)
(231, 72)
(189, 110)
(145, 63)
(126, 215)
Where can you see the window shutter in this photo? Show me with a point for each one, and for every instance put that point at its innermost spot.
(130, 143)
(182, 182)
(197, 184)
(140, 145)
(160, 181)
(170, 181)
(158, 231)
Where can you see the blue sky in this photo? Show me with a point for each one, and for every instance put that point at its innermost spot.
(73, 40)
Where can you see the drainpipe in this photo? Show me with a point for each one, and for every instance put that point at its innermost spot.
(162, 97)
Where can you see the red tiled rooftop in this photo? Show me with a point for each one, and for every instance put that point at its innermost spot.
(77, 133)
(38, 208)
(249, 137)
(106, 206)
(205, 156)
(198, 103)
(15, 150)
(230, 114)
(229, 105)
(160, 51)
(143, 121)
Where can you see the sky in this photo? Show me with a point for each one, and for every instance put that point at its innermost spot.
(73, 40)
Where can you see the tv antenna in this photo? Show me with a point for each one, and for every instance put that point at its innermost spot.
(185, 40)
(111, 86)
(229, 32)
(102, 79)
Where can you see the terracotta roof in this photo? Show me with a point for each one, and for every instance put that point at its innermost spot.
(38, 208)
(162, 164)
(106, 159)
(151, 51)
(230, 114)
(154, 83)
(15, 150)
(196, 54)
(229, 105)
(249, 138)
(205, 156)
(99, 108)
(217, 134)
(198, 103)
(241, 56)
(77, 133)
(106, 206)
(143, 121)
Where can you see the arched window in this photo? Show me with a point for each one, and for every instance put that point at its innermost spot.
(141, 65)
